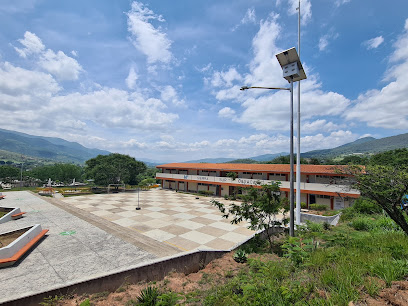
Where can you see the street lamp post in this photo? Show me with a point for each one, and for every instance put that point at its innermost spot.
(292, 72)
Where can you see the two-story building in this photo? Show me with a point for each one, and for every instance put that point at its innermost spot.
(321, 184)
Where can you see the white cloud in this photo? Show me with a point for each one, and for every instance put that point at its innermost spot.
(373, 43)
(386, 108)
(60, 65)
(250, 17)
(149, 40)
(318, 125)
(134, 144)
(113, 108)
(226, 112)
(32, 45)
(325, 40)
(132, 78)
(225, 78)
(341, 2)
(305, 9)
(169, 94)
(264, 68)
(21, 88)
(74, 53)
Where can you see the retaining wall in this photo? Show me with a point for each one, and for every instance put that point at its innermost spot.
(185, 263)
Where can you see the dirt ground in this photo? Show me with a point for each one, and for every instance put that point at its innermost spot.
(6, 239)
(216, 273)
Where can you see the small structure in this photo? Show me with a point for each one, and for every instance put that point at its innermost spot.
(14, 244)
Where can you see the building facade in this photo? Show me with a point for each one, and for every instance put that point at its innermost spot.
(320, 184)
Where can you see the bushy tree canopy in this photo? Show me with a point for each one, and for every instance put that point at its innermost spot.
(384, 184)
(114, 168)
(9, 172)
(58, 172)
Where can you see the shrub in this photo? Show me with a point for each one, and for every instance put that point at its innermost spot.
(240, 256)
(362, 223)
(303, 205)
(205, 192)
(319, 207)
(148, 296)
(314, 227)
(366, 206)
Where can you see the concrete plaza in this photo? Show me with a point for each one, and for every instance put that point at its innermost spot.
(73, 250)
(96, 235)
(170, 218)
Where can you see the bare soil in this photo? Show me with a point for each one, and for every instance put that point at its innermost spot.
(216, 273)
(6, 239)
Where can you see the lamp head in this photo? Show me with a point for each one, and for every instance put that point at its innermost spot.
(244, 88)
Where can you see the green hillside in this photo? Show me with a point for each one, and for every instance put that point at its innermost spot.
(48, 148)
(363, 145)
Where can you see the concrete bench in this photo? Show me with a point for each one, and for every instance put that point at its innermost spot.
(17, 216)
(11, 260)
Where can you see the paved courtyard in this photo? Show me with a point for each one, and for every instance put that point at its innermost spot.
(168, 217)
(73, 250)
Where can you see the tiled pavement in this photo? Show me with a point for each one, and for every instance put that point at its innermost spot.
(72, 251)
(169, 217)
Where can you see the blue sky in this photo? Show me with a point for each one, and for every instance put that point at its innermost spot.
(159, 80)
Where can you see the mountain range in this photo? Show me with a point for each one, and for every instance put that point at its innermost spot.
(57, 149)
(50, 148)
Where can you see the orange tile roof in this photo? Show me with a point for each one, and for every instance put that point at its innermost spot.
(278, 168)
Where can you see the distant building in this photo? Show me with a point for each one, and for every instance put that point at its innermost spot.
(320, 184)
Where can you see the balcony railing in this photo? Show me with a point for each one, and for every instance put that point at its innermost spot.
(334, 188)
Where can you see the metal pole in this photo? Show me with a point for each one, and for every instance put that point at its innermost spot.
(292, 195)
(138, 205)
(298, 206)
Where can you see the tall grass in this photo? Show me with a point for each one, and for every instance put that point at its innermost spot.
(354, 257)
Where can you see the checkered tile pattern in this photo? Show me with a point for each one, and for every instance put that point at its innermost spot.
(169, 217)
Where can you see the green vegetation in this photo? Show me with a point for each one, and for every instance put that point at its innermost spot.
(319, 207)
(58, 173)
(259, 207)
(322, 266)
(9, 172)
(114, 168)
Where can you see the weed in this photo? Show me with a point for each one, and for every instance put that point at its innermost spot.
(100, 295)
(205, 278)
(229, 274)
(362, 223)
(240, 256)
(148, 296)
(166, 281)
(85, 303)
(168, 299)
(52, 300)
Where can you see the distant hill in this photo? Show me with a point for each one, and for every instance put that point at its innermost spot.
(259, 158)
(363, 145)
(46, 147)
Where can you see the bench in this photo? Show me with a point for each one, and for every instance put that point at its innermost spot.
(17, 216)
(11, 260)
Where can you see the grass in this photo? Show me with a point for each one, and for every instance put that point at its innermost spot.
(356, 257)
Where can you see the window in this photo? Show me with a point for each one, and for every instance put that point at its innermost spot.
(323, 196)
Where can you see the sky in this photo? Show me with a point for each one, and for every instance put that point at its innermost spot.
(160, 80)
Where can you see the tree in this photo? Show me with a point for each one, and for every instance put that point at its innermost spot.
(386, 185)
(57, 172)
(395, 158)
(114, 168)
(260, 208)
(9, 172)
